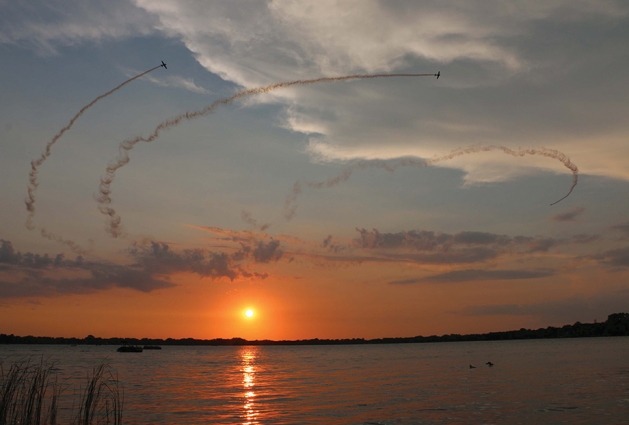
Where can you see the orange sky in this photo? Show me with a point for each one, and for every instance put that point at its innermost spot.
(367, 208)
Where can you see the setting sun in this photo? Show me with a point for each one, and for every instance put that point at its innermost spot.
(249, 313)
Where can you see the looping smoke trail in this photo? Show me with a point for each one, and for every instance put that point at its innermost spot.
(290, 206)
(113, 226)
(74, 247)
(35, 164)
(541, 151)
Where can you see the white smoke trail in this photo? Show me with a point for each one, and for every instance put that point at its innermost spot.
(290, 205)
(35, 164)
(113, 224)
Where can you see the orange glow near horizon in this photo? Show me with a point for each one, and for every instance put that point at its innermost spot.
(332, 303)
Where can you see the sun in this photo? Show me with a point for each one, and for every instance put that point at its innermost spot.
(249, 313)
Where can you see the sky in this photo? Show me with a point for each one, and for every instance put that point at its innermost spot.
(361, 208)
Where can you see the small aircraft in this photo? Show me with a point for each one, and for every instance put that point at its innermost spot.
(164, 65)
(438, 74)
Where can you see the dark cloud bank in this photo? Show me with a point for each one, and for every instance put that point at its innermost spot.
(33, 275)
(428, 247)
(29, 275)
(462, 242)
(463, 248)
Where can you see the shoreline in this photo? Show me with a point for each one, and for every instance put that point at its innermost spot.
(617, 324)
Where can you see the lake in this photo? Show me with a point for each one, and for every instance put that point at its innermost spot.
(572, 381)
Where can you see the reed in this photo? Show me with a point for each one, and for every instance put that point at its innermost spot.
(102, 399)
(30, 392)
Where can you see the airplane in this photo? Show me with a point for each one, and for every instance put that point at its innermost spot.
(438, 74)
(164, 65)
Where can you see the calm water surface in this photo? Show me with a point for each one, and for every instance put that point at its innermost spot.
(571, 381)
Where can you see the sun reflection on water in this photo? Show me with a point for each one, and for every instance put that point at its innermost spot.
(248, 357)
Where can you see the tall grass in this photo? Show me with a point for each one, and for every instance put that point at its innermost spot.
(30, 392)
(102, 399)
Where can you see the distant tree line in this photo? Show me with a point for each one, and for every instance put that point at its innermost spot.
(616, 325)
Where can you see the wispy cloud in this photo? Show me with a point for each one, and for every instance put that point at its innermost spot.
(614, 257)
(568, 216)
(622, 228)
(338, 38)
(477, 46)
(476, 275)
(44, 25)
(177, 82)
(247, 218)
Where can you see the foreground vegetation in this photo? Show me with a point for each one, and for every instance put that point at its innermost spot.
(30, 395)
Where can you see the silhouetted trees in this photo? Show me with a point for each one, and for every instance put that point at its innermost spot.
(617, 324)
